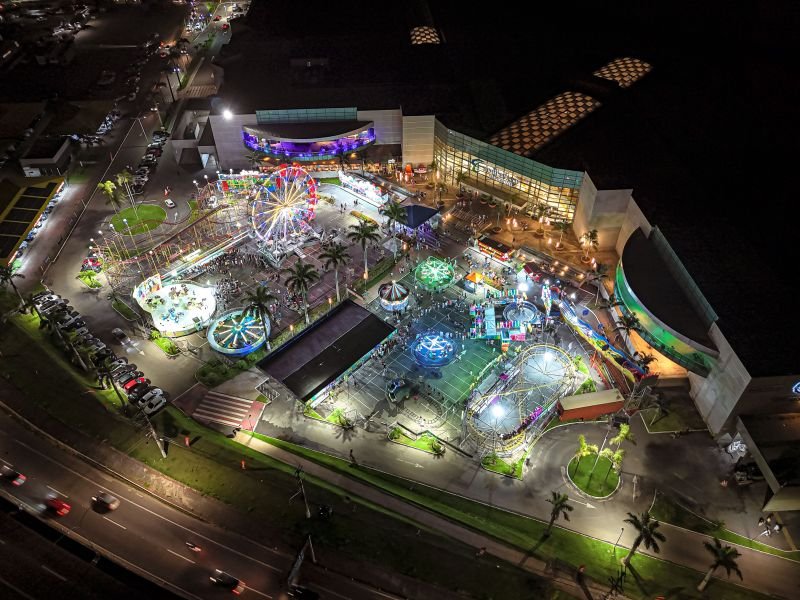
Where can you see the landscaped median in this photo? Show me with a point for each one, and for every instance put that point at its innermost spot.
(492, 462)
(668, 510)
(654, 577)
(141, 220)
(426, 441)
(354, 538)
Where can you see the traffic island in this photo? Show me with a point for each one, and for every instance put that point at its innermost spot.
(141, 220)
(495, 464)
(426, 441)
(598, 480)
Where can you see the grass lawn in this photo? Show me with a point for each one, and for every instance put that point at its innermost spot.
(331, 180)
(90, 279)
(654, 576)
(357, 531)
(426, 442)
(125, 310)
(599, 483)
(498, 465)
(167, 345)
(668, 510)
(149, 217)
(79, 175)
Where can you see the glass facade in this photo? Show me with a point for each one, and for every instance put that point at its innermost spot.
(305, 115)
(514, 178)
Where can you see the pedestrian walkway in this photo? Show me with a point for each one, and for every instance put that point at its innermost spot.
(227, 410)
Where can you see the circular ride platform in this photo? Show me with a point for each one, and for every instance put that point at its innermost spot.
(237, 332)
(434, 274)
(432, 350)
(180, 308)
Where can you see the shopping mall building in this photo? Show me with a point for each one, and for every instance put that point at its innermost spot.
(588, 151)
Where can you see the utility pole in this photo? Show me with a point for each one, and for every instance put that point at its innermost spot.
(158, 441)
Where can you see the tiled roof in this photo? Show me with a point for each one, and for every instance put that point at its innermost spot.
(424, 35)
(625, 71)
(534, 130)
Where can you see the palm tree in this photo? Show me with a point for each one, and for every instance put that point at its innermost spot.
(584, 450)
(364, 233)
(462, 175)
(30, 305)
(724, 556)
(255, 157)
(562, 227)
(596, 277)
(124, 179)
(644, 361)
(615, 457)
(104, 378)
(589, 241)
(7, 276)
(259, 301)
(624, 435)
(541, 210)
(394, 213)
(561, 508)
(648, 534)
(109, 188)
(627, 323)
(299, 279)
(335, 256)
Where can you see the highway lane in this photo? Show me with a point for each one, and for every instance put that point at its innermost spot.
(148, 533)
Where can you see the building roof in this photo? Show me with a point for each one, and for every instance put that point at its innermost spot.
(307, 131)
(417, 214)
(20, 208)
(15, 117)
(324, 351)
(45, 147)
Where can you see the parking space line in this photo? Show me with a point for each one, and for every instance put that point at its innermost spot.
(53, 573)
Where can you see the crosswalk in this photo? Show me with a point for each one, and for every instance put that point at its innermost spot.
(199, 91)
(224, 409)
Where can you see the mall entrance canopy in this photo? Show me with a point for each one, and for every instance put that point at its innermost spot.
(502, 195)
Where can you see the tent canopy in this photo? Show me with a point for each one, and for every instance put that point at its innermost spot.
(417, 214)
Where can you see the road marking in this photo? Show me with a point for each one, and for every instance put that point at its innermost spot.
(415, 465)
(257, 592)
(53, 573)
(3, 542)
(57, 492)
(115, 523)
(16, 589)
(180, 556)
(586, 504)
(155, 514)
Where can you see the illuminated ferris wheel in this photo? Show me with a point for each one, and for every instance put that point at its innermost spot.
(284, 204)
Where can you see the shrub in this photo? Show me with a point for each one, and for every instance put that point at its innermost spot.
(437, 447)
(241, 364)
(395, 433)
(155, 334)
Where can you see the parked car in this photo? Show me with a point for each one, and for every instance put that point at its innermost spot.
(169, 203)
(122, 371)
(151, 393)
(137, 391)
(129, 376)
(73, 324)
(44, 299)
(154, 404)
(134, 382)
(11, 475)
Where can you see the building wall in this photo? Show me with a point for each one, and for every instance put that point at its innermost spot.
(388, 124)
(718, 396)
(418, 139)
(231, 152)
(634, 219)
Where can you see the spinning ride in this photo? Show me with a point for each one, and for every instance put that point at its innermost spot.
(178, 308)
(237, 332)
(282, 207)
(434, 274)
(521, 398)
(432, 350)
(522, 311)
(393, 296)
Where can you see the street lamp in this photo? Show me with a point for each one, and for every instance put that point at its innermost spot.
(227, 114)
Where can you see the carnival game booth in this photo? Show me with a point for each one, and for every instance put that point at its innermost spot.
(178, 308)
(364, 188)
(494, 248)
(393, 296)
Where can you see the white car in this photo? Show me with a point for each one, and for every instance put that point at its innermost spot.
(169, 203)
(153, 405)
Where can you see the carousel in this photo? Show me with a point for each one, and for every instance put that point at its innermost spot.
(393, 296)
(179, 308)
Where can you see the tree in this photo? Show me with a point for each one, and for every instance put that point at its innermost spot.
(255, 157)
(644, 361)
(589, 241)
(561, 508)
(124, 179)
(724, 556)
(627, 323)
(541, 210)
(615, 457)
(596, 276)
(648, 533)
(259, 301)
(299, 279)
(584, 450)
(624, 435)
(7, 277)
(105, 378)
(562, 227)
(30, 305)
(364, 233)
(335, 256)
(109, 188)
(394, 213)
(460, 178)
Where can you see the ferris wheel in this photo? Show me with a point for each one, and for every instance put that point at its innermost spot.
(284, 204)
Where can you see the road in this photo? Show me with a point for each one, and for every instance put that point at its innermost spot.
(147, 535)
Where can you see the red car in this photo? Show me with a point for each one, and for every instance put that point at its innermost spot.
(133, 382)
(58, 506)
(225, 26)
(11, 475)
(216, 18)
